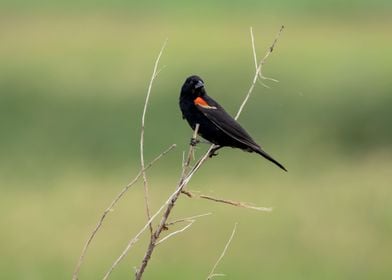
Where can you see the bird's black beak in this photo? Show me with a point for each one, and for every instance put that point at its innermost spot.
(199, 84)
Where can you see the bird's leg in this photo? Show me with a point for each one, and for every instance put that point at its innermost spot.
(213, 151)
(194, 140)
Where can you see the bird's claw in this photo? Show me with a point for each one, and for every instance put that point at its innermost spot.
(213, 152)
(194, 142)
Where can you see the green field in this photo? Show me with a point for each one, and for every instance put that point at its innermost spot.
(73, 78)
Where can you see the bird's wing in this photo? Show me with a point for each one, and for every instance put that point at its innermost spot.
(217, 115)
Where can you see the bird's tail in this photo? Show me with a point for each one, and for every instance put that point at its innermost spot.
(267, 156)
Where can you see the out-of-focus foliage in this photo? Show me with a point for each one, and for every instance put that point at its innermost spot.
(73, 75)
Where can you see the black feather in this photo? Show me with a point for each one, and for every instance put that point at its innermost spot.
(216, 125)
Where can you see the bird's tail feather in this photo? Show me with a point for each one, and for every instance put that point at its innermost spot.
(267, 156)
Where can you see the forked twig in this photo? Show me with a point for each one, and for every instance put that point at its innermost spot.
(187, 219)
(212, 273)
(175, 232)
(258, 68)
(190, 221)
(171, 202)
(134, 240)
(145, 183)
(111, 206)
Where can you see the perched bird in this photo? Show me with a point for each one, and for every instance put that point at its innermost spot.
(215, 124)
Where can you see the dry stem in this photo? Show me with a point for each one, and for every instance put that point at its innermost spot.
(212, 273)
(258, 68)
(175, 232)
(252, 39)
(145, 183)
(165, 216)
(226, 201)
(111, 206)
(169, 204)
(187, 219)
(190, 221)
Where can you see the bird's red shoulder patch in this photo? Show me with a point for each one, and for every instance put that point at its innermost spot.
(201, 102)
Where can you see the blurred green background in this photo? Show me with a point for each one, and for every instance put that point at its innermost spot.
(73, 77)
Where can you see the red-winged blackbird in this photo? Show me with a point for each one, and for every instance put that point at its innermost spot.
(216, 125)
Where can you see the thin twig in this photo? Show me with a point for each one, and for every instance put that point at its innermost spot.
(191, 148)
(162, 224)
(111, 206)
(175, 232)
(187, 219)
(172, 197)
(252, 38)
(183, 160)
(145, 183)
(269, 51)
(190, 221)
(226, 201)
(236, 203)
(212, 273)
(134, 240)
(258, 69)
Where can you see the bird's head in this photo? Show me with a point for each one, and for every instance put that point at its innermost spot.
(193, 87)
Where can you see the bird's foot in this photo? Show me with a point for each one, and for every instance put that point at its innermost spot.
(194, 142)
(213, 151)
(213, 154)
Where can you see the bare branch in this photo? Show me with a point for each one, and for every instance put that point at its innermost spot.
(170, 204)
(145, 183)
(175, 232)
(255, 58)
(134, 240)
(190, 221)
(192, 148)
(183, 160)
(111, 206)
(226, 201)
(160, 70)
(212, 273)
(258, 69)
(187, 219)
(269, 51)
(252, 38)
(237, 203)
